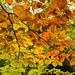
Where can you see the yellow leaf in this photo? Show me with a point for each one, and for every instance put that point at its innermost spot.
(20, 27)
(54, 64)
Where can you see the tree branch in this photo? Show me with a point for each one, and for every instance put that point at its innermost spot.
(23, 23)
(12, 26)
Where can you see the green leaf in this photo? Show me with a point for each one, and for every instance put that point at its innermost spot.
(68, 29)
(68, 34)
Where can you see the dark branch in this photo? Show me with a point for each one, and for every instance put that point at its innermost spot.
(12, 27)
(23, 23)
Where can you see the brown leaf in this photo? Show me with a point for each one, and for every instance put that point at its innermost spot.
(9, 38)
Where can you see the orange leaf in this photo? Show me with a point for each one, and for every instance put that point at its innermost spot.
(55, 53)
(53, 29)
(74, 11)
(49, 52)
(18, 1)
(51, 43)
(16, 18)
(58, 12)
(61, 3)
(72, 61)
(61, 58)
(69, 42)
(72, 53)
(55, 35)
(42, 1)
(9, 1)
(72, 1)
(61, 33)
(60, 48)
(17, 9)
(26, 6)
(64, 19)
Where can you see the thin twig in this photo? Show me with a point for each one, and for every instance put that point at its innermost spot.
(12, 26)
(24, 24)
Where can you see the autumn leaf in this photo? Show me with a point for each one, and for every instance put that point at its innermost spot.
(42, 1)
(9, 38)
(53, 29)
(26, 6)
(72, 53)
(70, 42)
(49, 52)
(18, 1)
(20, 27)
(72, 61)
(72, 1)
(61, 33)
(17, 9)
(9, 2)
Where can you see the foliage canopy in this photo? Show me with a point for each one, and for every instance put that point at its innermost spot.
(36, 37)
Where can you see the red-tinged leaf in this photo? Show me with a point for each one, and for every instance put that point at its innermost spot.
(70, 42)
(9, 1)
(72, 61)
(42, 1)
(18, 1)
